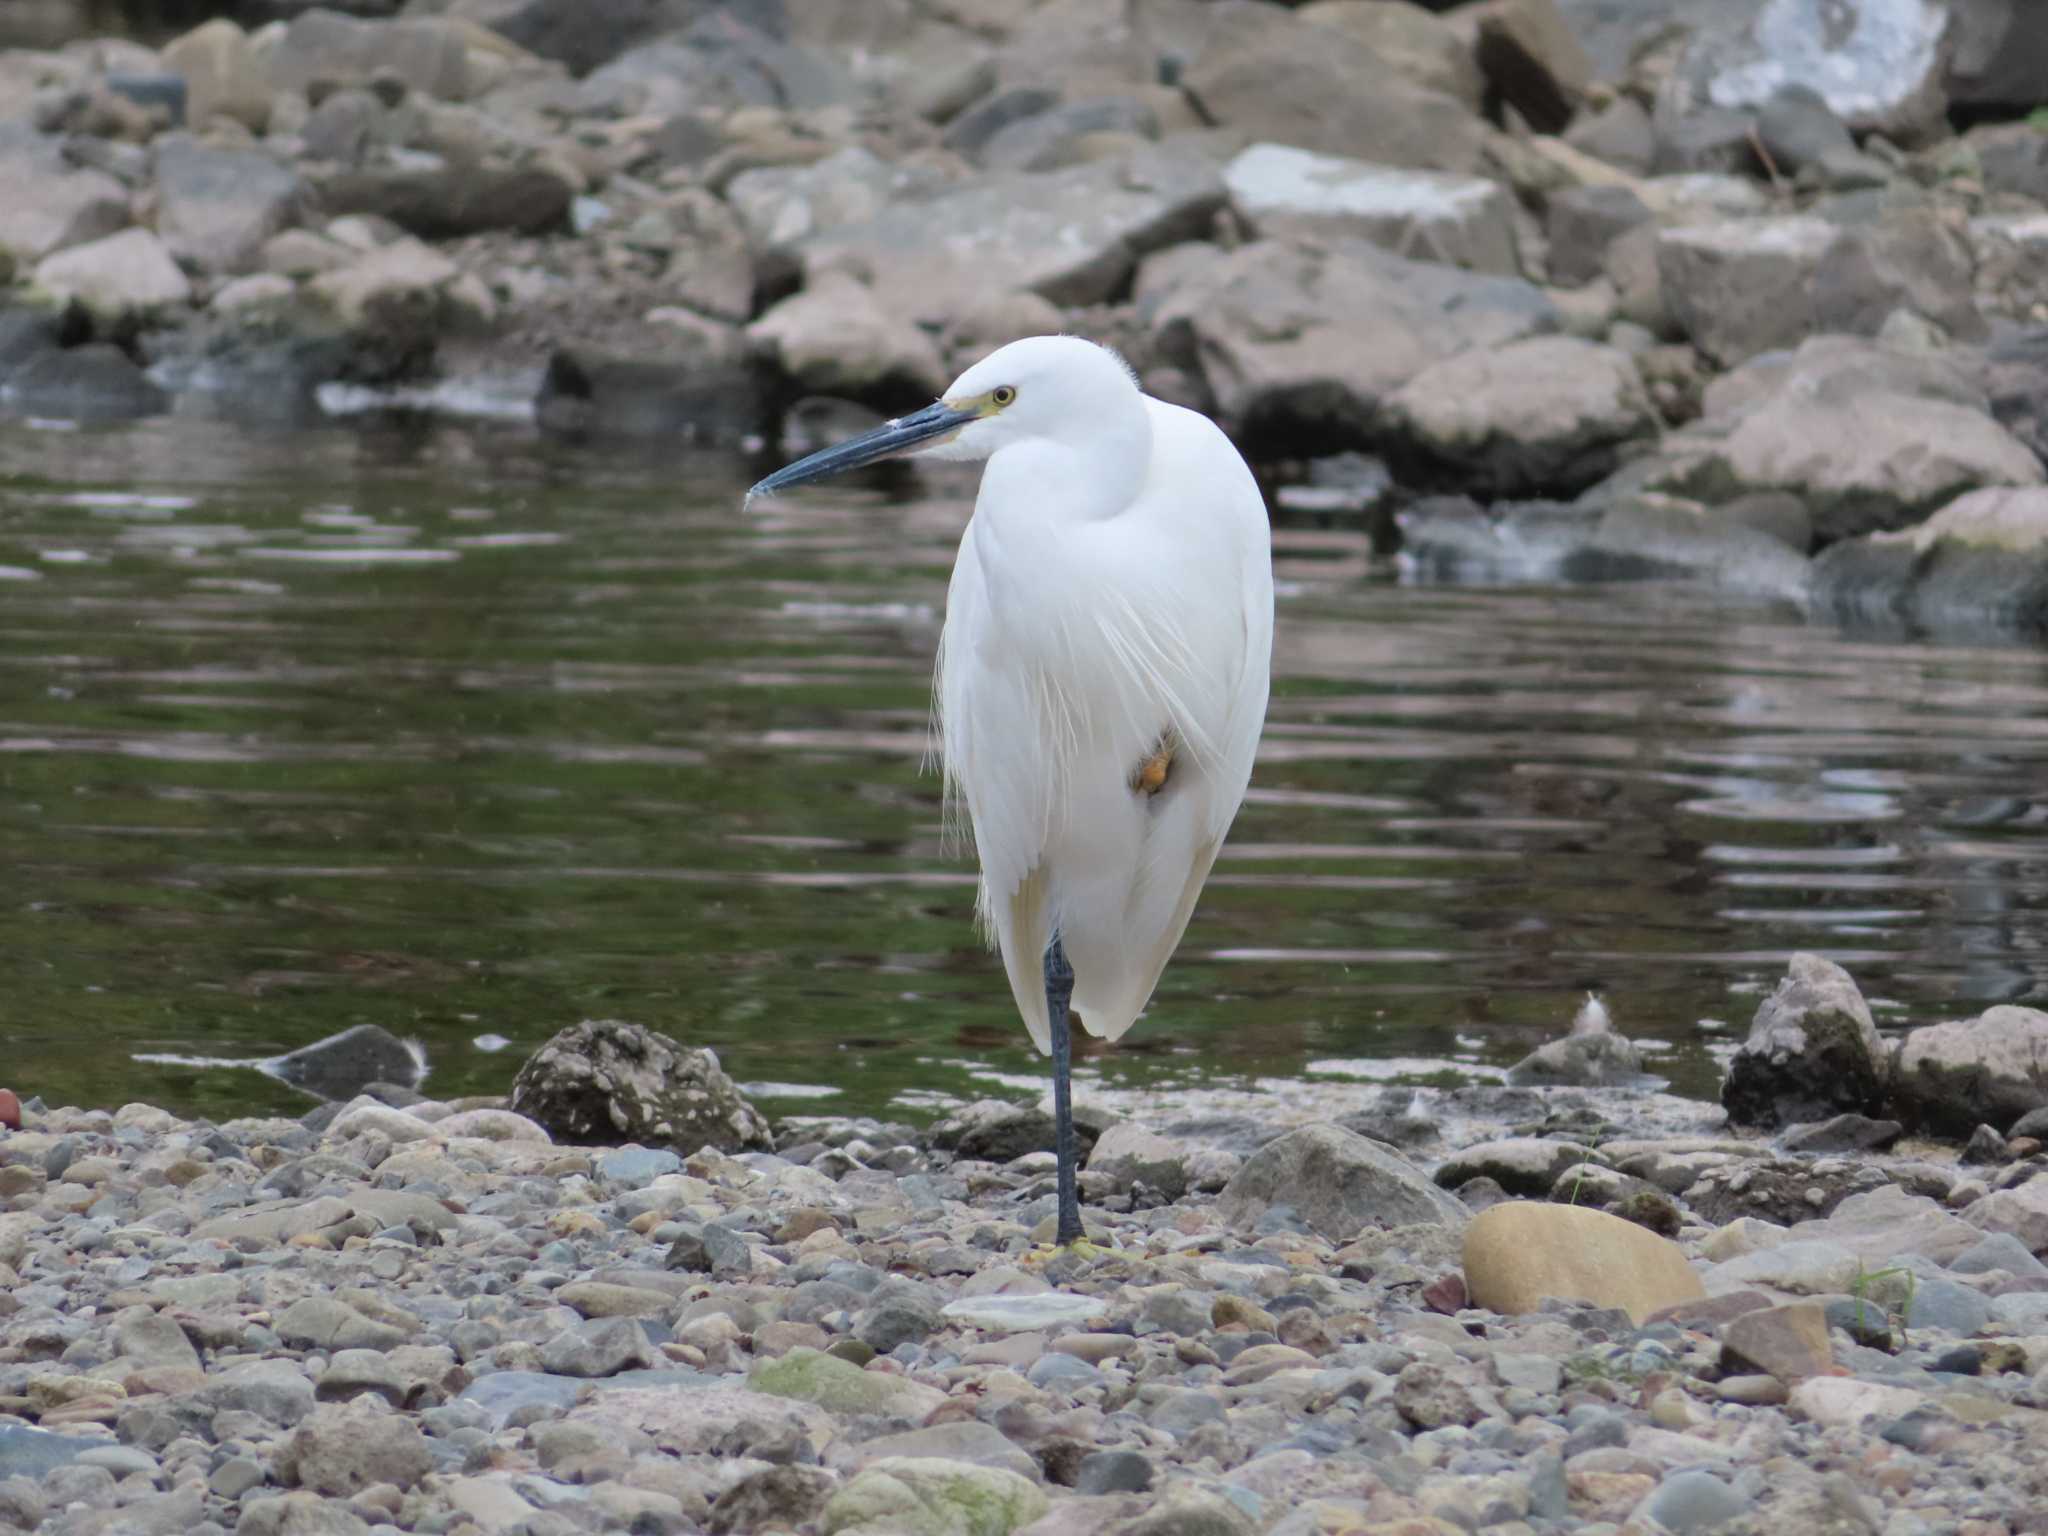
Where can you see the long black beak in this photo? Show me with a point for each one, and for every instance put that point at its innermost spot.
(886, 441)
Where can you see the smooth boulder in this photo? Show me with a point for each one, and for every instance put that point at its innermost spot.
(1520, 1253)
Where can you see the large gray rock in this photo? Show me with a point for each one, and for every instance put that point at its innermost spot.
(46, 205)
(1812, 1052)
(1070, 236)
(605, 1082)
(1422, 48)
(215, 208)
(1879, 64)
(1951, 1078)
(1465, 221)
(1338, 1183)
(1741, 286)
(1274, 77)
(1546, 415)
(1302, 344)
(1869, 436)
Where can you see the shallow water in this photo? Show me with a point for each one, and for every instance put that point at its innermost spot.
(444, 730)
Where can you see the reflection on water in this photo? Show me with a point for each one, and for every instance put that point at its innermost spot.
(438, 730)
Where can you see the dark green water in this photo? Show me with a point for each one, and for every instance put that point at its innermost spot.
(443, 730)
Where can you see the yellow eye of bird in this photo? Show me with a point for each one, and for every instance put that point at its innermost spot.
(1002, 394)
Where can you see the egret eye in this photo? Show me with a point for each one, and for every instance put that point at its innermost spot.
(1002, 394)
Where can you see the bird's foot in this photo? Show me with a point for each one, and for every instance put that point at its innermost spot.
(1150, 775)
(1084, 1250)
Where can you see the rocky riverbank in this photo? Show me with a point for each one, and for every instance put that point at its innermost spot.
(1749, 294)
(1402, 1314)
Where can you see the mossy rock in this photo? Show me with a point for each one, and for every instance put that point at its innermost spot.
(813, 1377)
(929, 1496)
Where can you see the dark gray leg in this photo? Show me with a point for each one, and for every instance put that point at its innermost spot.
(1059, 989)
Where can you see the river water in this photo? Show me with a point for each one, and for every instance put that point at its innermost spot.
(447, 730)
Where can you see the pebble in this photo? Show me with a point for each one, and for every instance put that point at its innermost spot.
(847, 1358)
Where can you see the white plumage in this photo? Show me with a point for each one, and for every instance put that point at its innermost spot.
(1102, 675)
(1113, 590)
(1082, 629)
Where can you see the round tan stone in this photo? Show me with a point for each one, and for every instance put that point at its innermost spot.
(1520, 1252)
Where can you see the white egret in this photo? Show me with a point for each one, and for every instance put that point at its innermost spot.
(1102, 673)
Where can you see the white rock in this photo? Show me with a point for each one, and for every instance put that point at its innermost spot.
(1022, 1314)
(121, 276)
(1840, 1402)
(1467, 221)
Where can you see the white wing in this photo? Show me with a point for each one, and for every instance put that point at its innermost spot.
(1071, 650)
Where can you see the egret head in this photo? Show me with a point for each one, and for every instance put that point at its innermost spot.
(1056, 387)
